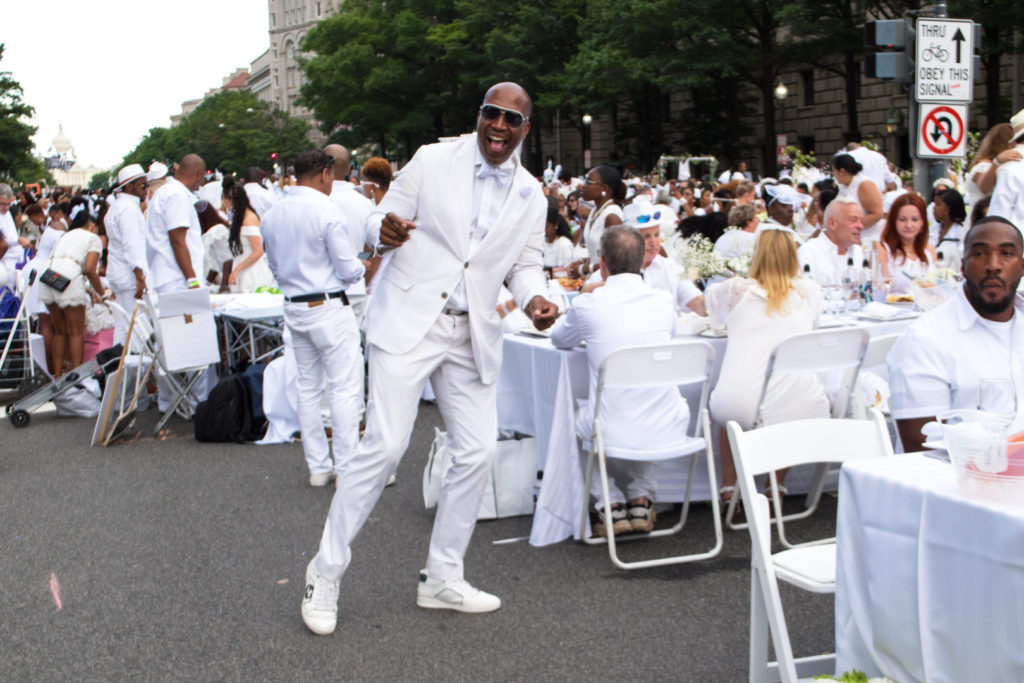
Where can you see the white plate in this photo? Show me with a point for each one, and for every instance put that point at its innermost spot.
(534, 332)
(713, 333)
(935, 445)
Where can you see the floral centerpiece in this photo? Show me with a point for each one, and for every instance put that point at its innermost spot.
(698, 261)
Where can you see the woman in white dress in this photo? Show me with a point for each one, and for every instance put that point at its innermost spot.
(76, 256)
(950, 219)
(853, 183)
(996, 148)
(759, 312)
(604, 187)
(249, 269)
(557, 250)
(903, 253)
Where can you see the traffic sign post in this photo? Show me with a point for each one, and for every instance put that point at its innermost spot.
(943, 131)
(944, 55)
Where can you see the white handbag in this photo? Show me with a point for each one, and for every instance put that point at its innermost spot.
(510, 488)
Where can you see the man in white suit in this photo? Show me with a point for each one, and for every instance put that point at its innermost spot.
(460, 219)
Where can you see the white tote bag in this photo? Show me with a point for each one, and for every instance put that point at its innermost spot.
(510, 488)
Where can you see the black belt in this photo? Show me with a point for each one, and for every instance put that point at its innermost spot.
(320, 296)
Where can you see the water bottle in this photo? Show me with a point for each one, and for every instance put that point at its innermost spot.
(867, 292)
(851, 286)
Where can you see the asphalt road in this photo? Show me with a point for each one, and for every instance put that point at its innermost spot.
(179, 560)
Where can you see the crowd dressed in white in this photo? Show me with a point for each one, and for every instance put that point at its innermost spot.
(624, 266)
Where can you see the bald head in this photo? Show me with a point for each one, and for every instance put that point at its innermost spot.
(190, 171)
(342, 160)
(510, 89)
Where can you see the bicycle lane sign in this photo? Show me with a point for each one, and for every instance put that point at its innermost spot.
(944, 57)
(942, 133)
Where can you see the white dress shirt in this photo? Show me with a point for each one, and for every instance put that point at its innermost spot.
(827, 264)
(307, 244)
(558, 254)
(937, 364)
(666, 275)
(625, 312)
(356, 207)
(126, 240)
(735, 243)
(490, 190)
(1008, 196)
(172, 207)
(260, 198)
(14, 252)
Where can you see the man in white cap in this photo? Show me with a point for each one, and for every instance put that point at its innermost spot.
(781, 203)
(831, 251)
(1008, 197)
(126, 249)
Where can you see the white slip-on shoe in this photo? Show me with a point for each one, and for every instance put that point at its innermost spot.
(319, 479)
(320, 602)
(454, 595)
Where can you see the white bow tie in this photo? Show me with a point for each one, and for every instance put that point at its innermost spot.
(502, 174)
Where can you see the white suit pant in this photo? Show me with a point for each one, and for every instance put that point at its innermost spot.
(469, 409)
(636, 477)
(325, 341)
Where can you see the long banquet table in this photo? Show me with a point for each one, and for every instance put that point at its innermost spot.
(929, 582)
(537, 392)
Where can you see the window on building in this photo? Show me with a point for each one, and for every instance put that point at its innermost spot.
(291, 78)
(318, 9)
(806, 143)
(290, 50)
(807, 81)
(273, 51)
(277, 83)
(273, 20)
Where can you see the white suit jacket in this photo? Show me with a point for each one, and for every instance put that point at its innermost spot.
(435, 191)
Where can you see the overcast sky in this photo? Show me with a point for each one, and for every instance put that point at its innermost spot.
(111, 70)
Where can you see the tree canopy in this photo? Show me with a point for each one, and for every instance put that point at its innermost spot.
(231, 131)
(399, 74)
(16, 160)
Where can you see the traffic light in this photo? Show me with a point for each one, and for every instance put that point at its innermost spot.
(273, 156)
(895, 39)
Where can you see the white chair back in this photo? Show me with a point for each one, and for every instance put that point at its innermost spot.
(810, 567)
(820, 351)
(878, 350)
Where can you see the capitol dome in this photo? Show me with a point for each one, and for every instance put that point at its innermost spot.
(62, 143)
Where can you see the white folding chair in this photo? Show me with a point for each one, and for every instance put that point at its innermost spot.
(837, 352)
(876, 353)
(180, 379)
(810, 567)
(673, 364)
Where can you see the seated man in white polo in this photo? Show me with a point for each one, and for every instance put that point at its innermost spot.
(624, 312)
(830, 252)
(941, 361)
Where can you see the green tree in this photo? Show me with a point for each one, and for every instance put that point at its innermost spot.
(231, 131)
(15, 133)
(101, 180)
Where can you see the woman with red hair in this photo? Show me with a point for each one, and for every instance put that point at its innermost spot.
(903, 253)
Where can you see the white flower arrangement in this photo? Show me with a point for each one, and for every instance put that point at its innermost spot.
(696, 256)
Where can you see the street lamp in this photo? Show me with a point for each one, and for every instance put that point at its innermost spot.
(587, 120)
(892, 123)
(781, 91)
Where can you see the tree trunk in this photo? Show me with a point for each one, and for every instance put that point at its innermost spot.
(991, 63)
(771, 165)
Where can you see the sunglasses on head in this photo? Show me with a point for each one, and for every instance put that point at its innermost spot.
(513, 118)
(643, 219)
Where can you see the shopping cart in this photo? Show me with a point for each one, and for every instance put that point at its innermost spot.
(17, 365)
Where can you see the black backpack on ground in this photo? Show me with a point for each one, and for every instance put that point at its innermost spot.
(227, 414)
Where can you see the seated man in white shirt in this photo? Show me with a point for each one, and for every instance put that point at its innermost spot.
(939, 362)
(624, 312)
(658, 271)
(830, 252)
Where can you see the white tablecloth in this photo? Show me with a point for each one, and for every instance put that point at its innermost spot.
(537, 391)
(930, 584)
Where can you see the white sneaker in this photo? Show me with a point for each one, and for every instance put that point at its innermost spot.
(320, 602)
(455, 595)
(319, 479)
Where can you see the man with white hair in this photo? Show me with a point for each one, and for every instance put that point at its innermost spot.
(830, 252)
(1008, 196)
(126, 248)
(12, 250)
